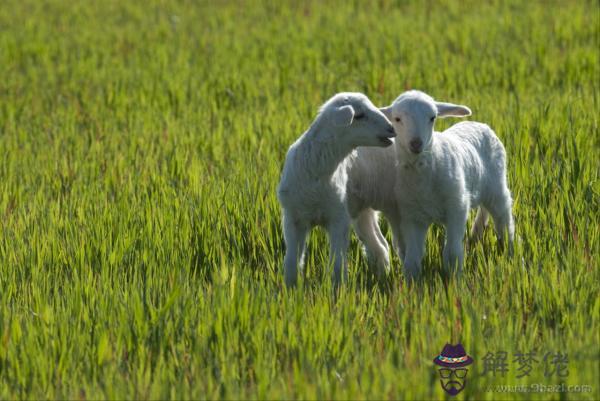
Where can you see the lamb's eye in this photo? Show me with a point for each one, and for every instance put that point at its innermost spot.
(359, 116)
(432, 119)
(398, 120)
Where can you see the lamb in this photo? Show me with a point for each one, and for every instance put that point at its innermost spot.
(312, 189)
(437, 177)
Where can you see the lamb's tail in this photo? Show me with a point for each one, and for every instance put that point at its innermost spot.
(481, 221)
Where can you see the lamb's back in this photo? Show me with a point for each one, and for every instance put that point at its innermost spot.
(477, 151)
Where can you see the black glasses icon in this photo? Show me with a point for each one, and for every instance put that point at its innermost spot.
(447, 373)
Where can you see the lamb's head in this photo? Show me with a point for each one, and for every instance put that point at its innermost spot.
(413, 115)
(357, 121)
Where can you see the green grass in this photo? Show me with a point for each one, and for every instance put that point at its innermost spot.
(140, 243)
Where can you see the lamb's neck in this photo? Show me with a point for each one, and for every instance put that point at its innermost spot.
(408, 161)
(324, 152)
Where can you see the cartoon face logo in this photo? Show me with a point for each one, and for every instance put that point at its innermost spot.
(452, 362)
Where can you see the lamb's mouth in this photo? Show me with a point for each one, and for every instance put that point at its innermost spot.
(385, 141)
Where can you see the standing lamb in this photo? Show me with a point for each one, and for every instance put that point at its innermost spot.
(438, 177)
(312, 189)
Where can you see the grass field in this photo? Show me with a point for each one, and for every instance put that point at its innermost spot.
(140, 241)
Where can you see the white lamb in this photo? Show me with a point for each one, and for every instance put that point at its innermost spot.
(429, 177)
(312, 189)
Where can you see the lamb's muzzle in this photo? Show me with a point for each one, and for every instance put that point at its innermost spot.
(386, 140)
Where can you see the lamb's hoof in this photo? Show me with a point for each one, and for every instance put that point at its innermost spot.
(454, 273)
(411, 276)
(379, 266)
(291, 282)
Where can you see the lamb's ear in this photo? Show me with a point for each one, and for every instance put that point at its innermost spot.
(452, 110)
(343, 116)
(387, 111)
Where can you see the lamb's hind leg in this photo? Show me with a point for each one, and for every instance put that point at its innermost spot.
(338, 238)
(376, 247)
(481, 220)
(295, 242)
(501, 211)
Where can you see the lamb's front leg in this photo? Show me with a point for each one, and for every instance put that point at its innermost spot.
(414, 236)
(294, 233)
(453, 248)
(338, 238)
(398, 241)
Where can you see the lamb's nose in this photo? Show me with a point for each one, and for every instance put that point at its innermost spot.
(391, 129)
(416, 145)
